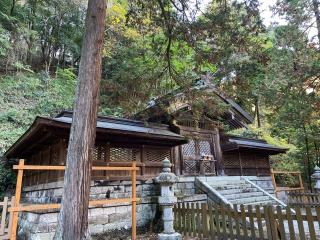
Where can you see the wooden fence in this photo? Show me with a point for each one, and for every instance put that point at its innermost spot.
(251, 222)
(278, 188)
(6, 218)
(303, 198)
(17, 207)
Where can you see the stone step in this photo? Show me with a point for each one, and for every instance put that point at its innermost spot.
(232, 186)
(261, 203)
(243, 195)
(222, 183)
(251, 200)
(237, 191)
(194, 198)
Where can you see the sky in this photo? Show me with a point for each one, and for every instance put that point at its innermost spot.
(268, 17)
(266, 13)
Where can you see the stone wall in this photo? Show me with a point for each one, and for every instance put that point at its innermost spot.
(41, 225)
(264, 182)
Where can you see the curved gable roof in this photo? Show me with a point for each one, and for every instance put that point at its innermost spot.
(235, 117)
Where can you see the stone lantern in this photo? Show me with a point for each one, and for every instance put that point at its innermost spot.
(166, 179)
(316, 176)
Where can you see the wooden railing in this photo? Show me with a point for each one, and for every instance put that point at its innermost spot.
(277, 188)
(17, 207)
(6, 218)
(208, 221)
(303, 198)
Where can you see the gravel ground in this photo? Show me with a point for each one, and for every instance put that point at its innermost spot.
(125, 235)
(149, 232)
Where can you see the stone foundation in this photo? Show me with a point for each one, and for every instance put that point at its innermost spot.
(103, 219)
(41, 225)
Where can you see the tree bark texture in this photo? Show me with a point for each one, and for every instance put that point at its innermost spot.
(258, 112)
(73, 218)
(315, 4)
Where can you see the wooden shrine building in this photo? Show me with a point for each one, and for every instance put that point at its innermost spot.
(210, 151)
(168, 127)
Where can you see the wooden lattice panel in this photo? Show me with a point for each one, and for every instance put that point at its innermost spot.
(262, 161)
(208, 167)
(231, 160)
(157, 155)
(99, 153)
(189, 149)
(248, 160)
(118, 154)
(191, 166)
(204, 147)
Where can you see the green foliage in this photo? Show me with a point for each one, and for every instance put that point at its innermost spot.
(23, 96)
(7, 178)
(154, 47)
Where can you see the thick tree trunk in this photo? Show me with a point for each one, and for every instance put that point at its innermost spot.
(73, 218)
(315, 4)
(258, 112)
(307, 156)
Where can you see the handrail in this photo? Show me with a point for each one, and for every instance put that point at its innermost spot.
(264, 191)
(211, 192)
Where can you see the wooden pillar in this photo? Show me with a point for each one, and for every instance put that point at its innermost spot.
(17, 200)
(134, 200)
(143, 161)
(218, 152)
(107, 157)
(62, 157)
(177, 158)
(240, 163)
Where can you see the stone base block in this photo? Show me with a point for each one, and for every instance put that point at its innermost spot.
(172, 236)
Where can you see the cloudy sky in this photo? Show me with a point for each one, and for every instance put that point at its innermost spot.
(269, 18)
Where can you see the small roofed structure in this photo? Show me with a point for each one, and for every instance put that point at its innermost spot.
(247, 156)
(118, 143)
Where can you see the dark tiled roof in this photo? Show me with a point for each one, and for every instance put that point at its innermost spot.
(125, 125)
(43, 131)
(235, 117)
(235, 143)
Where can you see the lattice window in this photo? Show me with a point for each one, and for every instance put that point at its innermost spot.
(99, 153)
(157, 155)
(204, 147)
(231, 160)
(124, 154)
(262, 161)
(248, 160)
(189, 149)
(208, 167)
(191, 167)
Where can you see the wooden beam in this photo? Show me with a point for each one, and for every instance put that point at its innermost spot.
(92, 203)
(60, 168)
(218, 152)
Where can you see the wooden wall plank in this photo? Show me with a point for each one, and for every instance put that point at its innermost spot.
(290, 223)
(3, 215)
(244, 222)
(281, 227)
(300, 223)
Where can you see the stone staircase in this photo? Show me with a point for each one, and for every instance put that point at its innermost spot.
(235, 190)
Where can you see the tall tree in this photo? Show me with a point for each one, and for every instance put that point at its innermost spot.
(73, 222)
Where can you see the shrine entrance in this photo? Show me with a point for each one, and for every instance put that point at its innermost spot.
(198, 154)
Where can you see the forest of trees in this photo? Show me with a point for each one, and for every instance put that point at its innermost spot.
(152, 47)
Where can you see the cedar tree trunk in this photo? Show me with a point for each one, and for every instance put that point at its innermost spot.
(73, 218)
(317, 15)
